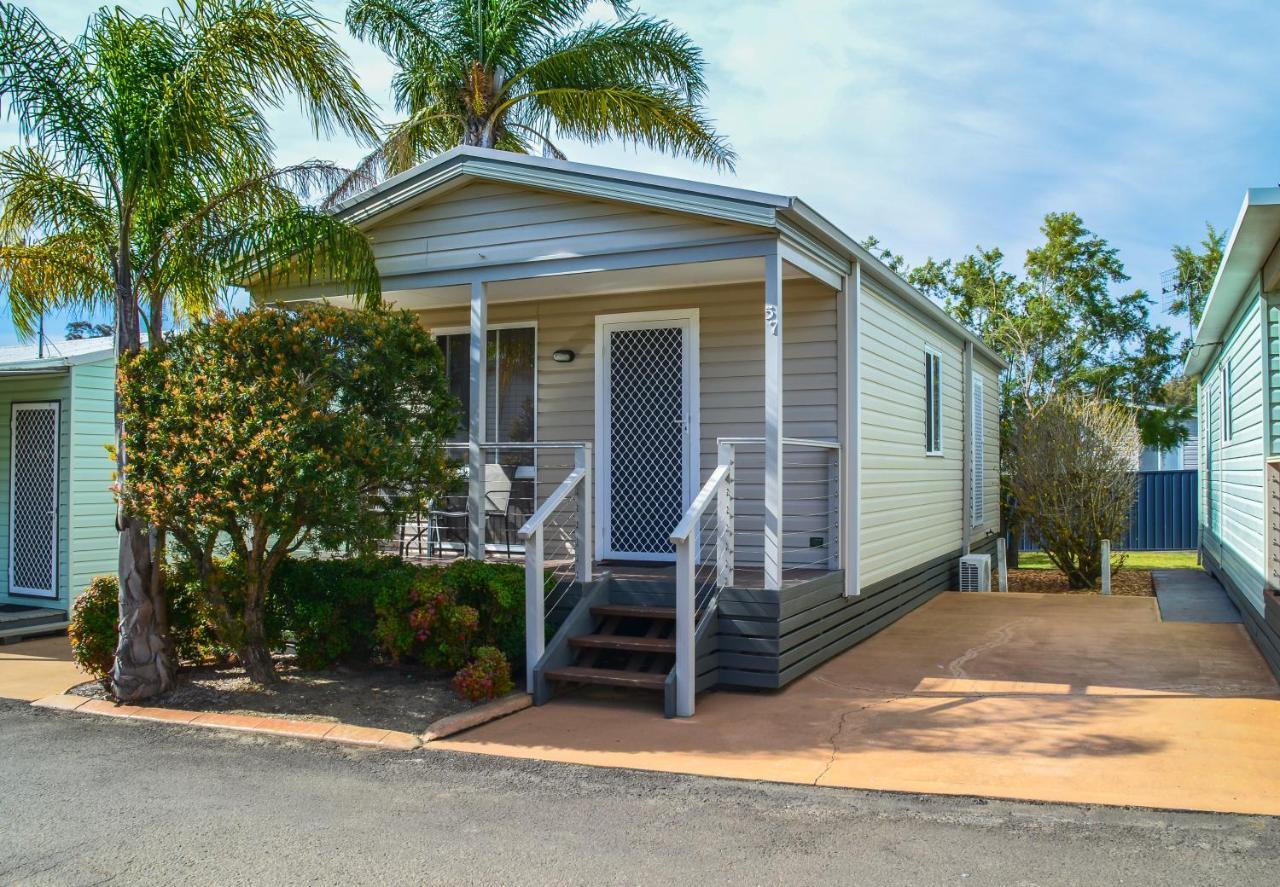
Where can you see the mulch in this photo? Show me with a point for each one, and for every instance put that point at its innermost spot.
(1133, 583)
(387, 697)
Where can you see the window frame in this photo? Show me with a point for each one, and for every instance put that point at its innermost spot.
(933, 424)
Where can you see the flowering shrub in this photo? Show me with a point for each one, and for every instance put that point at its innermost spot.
(488, 676)
(424, 621)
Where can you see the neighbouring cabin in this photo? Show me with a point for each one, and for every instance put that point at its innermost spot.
(56, 474)
(1236, 358)
(726, 441)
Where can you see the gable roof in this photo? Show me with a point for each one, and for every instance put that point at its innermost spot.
(784, 215)
(1253, 238)
(25, 358)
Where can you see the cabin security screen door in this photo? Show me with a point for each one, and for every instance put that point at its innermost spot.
(647, 428)
(33, 500)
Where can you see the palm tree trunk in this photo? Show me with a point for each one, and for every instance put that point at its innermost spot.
(143, 666)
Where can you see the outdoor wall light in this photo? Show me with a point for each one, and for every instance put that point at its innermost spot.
(563, 355)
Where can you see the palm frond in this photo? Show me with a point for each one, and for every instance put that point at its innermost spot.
(36, 195)
(637, 50)
(300, 246)
(46, 84)
(65, 270)
(656, 117)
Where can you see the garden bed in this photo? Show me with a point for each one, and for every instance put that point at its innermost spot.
(406, 698)
(1133, 583)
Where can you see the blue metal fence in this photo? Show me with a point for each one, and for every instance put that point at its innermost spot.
(1163, 518)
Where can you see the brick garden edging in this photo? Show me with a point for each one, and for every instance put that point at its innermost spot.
(348, 734)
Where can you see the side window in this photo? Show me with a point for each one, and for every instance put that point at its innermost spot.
(932, 403)
(977, 503)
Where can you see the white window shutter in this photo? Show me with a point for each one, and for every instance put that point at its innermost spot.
(977, 503)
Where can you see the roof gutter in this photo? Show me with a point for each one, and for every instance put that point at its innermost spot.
(1253, 238)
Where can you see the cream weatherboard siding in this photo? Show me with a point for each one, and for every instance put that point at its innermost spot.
(495, 223)
(1233, 521)
(94, 543)
(912, 503)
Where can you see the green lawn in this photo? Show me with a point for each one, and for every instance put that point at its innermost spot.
(1136, 560)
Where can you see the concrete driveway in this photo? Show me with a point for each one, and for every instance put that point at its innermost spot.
(37, 668)
(1043, 697)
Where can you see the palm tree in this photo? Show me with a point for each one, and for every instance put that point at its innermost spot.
(514, 74)
(144, 178)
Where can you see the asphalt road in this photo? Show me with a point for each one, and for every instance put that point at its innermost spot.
(86, 800)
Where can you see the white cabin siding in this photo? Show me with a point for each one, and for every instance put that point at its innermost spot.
(1234, 483)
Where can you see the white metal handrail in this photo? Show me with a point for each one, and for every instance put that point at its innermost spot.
(686, 538)
(578, 485)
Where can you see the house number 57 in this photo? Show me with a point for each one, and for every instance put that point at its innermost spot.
(771, 318)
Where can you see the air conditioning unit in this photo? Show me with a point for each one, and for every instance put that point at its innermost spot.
(975, 572)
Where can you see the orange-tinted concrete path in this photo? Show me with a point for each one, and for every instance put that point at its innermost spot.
(1067, 698)
(37, 668)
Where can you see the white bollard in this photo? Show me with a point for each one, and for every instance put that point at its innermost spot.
(1106, 566)
(1002, 565)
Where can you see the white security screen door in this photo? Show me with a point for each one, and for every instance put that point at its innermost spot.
(647, 426)
(33, 500)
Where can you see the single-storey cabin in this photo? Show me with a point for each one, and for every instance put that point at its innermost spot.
(1236, 358)
(726, 441)
(59, 512)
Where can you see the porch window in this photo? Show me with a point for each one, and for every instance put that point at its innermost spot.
(932, 403)
(512, 398)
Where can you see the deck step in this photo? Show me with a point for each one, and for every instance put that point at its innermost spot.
(627, 611)
(624, 642)
(612, 677)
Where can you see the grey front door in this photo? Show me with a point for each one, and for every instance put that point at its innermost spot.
(33, 500)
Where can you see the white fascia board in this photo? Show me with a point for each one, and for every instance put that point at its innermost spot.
(1252, 240)
(600, 182)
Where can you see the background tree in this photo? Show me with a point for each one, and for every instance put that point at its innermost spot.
(1062, 326)
(85, 329)
(1070, 462)
(145, 175)
(1194, 273)
(520, 75)
(257, 433)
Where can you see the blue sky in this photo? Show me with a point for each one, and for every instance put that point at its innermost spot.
(939, 126)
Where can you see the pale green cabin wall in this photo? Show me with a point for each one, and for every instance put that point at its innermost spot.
(1233, 522)
(94, 543)
(86, 519)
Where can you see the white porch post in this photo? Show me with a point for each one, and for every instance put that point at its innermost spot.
(849, 310)
(476, 419)
(773, 421)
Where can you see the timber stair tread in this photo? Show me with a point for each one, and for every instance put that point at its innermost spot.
(633, 611)
(624, 642)
(613, 677)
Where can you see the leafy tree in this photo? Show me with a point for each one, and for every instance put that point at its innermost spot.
(84, 329)
(1062, 327)
(892, 260)
(1195, 271)
(257, 433)
(516, 74)
(145, 176)
(1070, 463)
